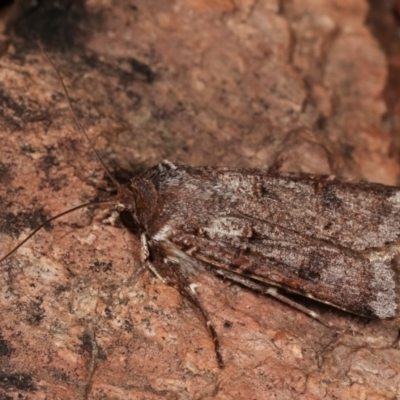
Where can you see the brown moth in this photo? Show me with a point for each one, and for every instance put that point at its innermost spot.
(322, 237)
(333, 240)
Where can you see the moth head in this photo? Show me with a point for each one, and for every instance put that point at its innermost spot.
(136, 204)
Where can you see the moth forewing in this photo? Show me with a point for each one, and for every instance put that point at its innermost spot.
(322, 237)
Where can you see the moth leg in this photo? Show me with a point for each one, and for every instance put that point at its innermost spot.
(189, 291)
(144, 257)
(175, 279)
(144, 248)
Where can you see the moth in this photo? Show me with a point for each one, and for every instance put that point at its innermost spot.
(322, 237)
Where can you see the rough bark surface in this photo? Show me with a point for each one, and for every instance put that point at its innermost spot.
(293, 84)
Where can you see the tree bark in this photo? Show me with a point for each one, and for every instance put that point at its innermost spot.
(296, 85)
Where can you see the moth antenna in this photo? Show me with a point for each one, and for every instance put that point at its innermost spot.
(47, 222)
(78, 124)
(92, 148)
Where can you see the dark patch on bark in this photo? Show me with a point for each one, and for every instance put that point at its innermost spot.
(58, 25)
(17, 381)
(35, 313)
(99, 266)
(6, 175)
(5, 349)
(12, 224)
